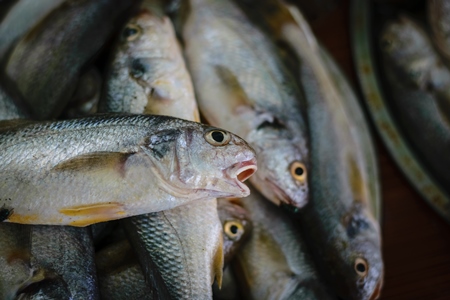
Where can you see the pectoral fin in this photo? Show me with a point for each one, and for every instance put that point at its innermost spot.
(217, 266)
(238, 97)
(113, 161)
(94, 213)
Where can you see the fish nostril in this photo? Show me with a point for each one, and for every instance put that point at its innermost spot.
(138, 68)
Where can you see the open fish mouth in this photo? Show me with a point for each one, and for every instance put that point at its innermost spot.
(242, 171)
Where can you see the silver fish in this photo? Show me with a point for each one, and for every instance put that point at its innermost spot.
(188, 257)
(47, 61)
(147, 74)
(425, 82)
(66, 253)
(275, 262)
(113, 174)
(339, 224)
(243, 86)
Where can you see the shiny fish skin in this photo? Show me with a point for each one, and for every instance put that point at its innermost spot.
(243, 86)
(192, 265)
(425, 113)
(439, 20)
(46, 63)
(117, 166)
(147, 74)
(338, 225)
(275, 262)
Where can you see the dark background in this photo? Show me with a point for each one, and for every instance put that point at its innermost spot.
(416, 241)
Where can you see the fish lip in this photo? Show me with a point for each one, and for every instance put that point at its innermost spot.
(377, 291)
(280, 195)
(240, 172)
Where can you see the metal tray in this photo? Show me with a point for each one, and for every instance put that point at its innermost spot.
(364, 55)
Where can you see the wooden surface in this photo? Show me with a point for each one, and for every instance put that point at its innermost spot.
(416, 241)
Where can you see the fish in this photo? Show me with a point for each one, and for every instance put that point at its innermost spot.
(47, 62)
(288, 270)
(20, 19)
(119, 274)
(9, 104)
(83, 171)
(85, 100)
(437, 15)
(229, 289)
(188, 258)
(339, 225)
(149, 69)
(66, 256)
(147, 73)
(407, 53)
(17, 272)
(236, 226)
(242, 85)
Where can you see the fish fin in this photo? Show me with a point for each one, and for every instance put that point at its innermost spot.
(95, 160)
(94, 213)
(238, 98)
(23, 219)
(357, 183)
(218, 261)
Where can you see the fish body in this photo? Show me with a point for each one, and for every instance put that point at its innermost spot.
(65, 253)
(9, 109)
(338, 224)
(188, 255)
(83, 171)
(47, 61)
(275, 262)
(119, 274)
(147, 74)
(425, 112)
(242, 86)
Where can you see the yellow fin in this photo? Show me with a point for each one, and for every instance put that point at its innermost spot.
(92, 209)
(95, 160)
(356, 181)
(218, 263)
(23, 219)
(94, 213)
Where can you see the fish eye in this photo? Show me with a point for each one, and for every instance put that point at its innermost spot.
(361, 267)
(298, 171)
(218, 137)
(233, 229)
(131, 32)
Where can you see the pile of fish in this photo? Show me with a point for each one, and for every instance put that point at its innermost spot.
(415, 61)
(110, 187)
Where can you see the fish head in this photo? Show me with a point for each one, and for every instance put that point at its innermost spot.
(360, 248)
(236, 225)
(208, 161)
(282, 176)
(402, 43)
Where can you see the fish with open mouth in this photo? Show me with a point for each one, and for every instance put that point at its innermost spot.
(243, 86)
(83, 171)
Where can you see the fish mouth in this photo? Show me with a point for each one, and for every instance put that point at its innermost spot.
(280, 195)
(242, 171)
(377, 291)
